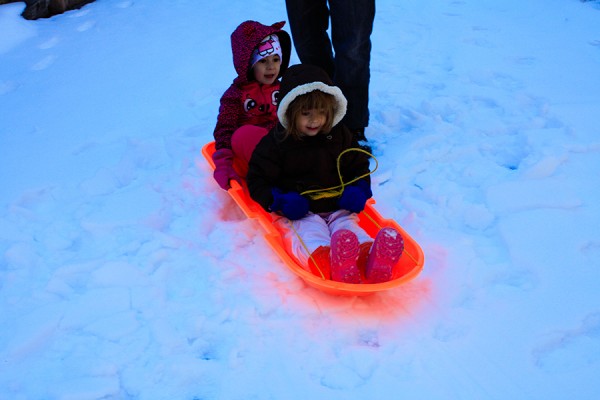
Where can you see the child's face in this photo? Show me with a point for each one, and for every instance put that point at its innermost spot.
(310, 122)
(267, 69)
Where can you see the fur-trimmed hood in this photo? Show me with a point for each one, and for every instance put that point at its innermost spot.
(303, 78)
(246, 37)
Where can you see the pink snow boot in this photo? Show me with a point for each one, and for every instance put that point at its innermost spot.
(344, 254)
(385, 252)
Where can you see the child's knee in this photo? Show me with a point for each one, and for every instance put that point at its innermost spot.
(245, 139)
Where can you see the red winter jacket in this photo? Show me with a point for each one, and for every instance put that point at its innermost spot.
(247, 102)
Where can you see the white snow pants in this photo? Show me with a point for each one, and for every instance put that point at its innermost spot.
(316, 230)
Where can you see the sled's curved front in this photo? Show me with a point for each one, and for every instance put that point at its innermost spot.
(408, 266)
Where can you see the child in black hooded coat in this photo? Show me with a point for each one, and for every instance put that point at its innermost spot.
(297, 161)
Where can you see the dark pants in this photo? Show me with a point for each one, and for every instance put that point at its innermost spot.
(351, 27)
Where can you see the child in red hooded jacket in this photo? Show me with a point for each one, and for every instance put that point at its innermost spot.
(248, 108)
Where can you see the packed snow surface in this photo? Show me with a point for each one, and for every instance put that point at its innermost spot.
(127, 273)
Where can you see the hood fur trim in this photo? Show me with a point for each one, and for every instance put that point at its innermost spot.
(341, 102)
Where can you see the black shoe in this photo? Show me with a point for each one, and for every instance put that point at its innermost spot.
(359, 134)
(366, 148)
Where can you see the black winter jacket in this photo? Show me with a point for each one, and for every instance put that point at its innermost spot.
(304, 164)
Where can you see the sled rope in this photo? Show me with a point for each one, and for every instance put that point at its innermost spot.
(336, 191)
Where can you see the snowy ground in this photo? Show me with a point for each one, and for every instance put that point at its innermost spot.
(126, 273)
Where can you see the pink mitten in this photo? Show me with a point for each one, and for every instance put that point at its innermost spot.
(224, 171)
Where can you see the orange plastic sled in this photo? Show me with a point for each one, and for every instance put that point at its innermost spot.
(409, 265)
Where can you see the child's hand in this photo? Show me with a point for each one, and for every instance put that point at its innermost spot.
(355, 196)
(292, 205)
(224, 171)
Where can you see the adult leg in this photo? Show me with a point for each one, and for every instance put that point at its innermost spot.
(351, 28)
(309, 21)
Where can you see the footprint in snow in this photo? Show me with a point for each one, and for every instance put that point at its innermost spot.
(86, 26)
(125, 4)
(571, 350)
(517, 279)
(49, 43)
(44, 63)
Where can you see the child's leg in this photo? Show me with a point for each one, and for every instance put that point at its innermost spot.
(345, 251)
(344, 219)
(385, 253)
(303, 236)
(243, 143)
(375, 260)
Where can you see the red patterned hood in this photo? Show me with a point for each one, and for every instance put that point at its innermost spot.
(246, 37)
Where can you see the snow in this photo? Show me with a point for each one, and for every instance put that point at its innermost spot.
(126, 273)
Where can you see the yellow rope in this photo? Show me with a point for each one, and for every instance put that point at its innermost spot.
(336, 191)
(373, 221)
(410, 256)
